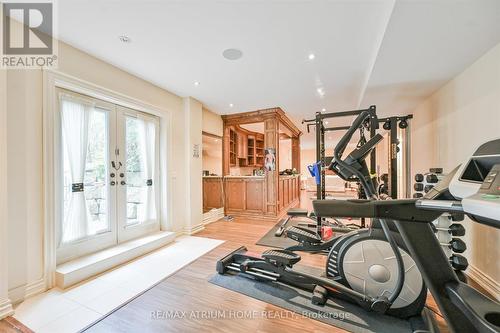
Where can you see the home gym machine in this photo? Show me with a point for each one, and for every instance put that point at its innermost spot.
(389, 182)
(371, 125)
(390, 284)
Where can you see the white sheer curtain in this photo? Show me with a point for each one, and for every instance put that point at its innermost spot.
(147, 141)
(75, 116)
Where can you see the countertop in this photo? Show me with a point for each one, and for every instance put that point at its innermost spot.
(256, 177)
(289, 176)
(243, 176)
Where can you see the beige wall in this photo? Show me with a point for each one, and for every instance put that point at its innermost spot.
(25, 160)
(212, 155)
(212, 123)
(285, 154)
(193, 164)
(5, 306)
(447, 129)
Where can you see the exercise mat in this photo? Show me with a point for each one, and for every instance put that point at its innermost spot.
(270, 240)
(337, 312)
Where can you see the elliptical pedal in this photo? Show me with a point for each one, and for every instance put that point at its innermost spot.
(303, 235)
(282, 257)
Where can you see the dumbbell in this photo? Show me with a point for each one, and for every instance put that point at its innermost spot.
(418, 187)
(419, 177)
(459, 262)
(457, 217)
(427, 188)
(432, 179)
(454, 229)
(417, 195)
(456, 245)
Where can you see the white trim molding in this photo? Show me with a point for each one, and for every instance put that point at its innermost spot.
(213, 215)
(52, 80)
(485, 281)
(34, 288)
(6, 308)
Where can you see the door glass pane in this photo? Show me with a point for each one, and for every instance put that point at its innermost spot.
(140, 160)
(95, 186)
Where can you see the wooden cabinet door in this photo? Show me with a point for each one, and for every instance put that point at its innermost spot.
(235, 194)
(212, 194)
(242, 146)
(286, 192)
(254, 194)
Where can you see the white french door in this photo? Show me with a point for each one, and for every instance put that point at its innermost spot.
(138, 170)
(109, 165)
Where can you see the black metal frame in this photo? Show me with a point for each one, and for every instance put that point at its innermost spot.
(320, 145)
(393, 156)
(317, 122)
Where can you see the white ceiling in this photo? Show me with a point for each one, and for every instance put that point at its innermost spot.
(384, 52)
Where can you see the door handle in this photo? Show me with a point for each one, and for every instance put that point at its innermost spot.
(123, 182)
(112, 183)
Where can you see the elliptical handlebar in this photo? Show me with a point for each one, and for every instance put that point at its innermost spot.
(342, 145)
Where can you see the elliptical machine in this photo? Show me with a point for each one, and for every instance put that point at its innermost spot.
(369, 267)
(472, 189)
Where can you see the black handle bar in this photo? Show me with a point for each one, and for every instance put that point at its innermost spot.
(342, 145)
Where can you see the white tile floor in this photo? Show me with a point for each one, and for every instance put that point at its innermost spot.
(75, 308)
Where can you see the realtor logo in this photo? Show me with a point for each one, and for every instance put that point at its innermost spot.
(28, 35)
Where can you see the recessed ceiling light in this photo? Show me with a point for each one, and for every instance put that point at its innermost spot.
(321, 92)
(124, 39)
(231, 105)
(311, 56)
(232, 54)
(323, 110)
(196, 83)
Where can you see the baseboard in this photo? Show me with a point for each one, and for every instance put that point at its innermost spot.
(35, 288)
(195, 229)
(213, 215)
(490, 285)
(6, 308)
(17, 294)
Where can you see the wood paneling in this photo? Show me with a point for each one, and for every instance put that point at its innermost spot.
(271, 140)
(252, 154)
(245, 195)
(288, 192)
(235, 194)
(254, 191)
(212, 193)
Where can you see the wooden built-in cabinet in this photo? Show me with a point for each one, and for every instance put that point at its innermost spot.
(245, 196)
(242, 152)
(233, 144)
(212, 193)
(265, 197)
(245, 148)
(289, 191)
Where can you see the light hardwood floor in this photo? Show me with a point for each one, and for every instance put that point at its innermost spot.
(189, 290)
